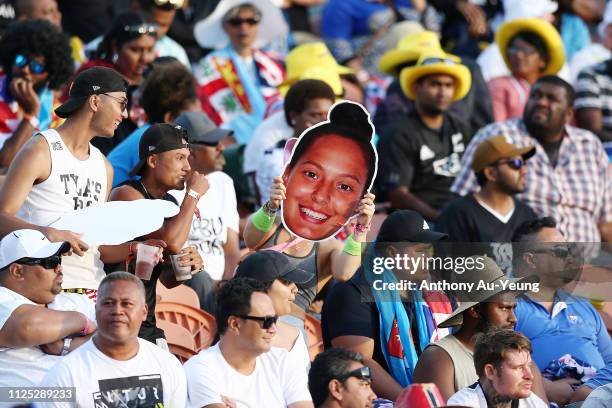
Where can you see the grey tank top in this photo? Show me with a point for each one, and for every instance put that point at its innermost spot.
(306, 294)
(463, 360)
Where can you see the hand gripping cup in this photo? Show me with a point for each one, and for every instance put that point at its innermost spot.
(181, 273)
(146, 259)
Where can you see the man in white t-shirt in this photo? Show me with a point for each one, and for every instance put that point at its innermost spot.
(502, 359)
(215, 230)
(116, 368)
(243, 370)
(38, 323)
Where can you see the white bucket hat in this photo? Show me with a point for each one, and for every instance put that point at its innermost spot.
(209, 32)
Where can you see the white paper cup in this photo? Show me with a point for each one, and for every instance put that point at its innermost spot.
(181, 273)
(146, 258)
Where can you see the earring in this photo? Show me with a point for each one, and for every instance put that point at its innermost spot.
(115, 58)
(292, 122)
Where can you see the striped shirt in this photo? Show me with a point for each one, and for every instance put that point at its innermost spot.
(594, 91)
(577, 192)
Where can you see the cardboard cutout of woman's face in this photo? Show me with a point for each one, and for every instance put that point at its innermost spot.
(325, 186)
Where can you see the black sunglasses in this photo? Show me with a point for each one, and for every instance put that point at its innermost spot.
(558, 251)
(237, 21)
(267, 321)
(515, 164)
(363, 373)
(36, 67)
(50, 262)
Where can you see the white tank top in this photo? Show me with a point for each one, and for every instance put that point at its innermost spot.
(73, 184)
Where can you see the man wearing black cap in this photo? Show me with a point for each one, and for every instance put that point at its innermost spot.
(280, 276)
(58, 171)
(215, 232)
(352, 319)
(164, 166)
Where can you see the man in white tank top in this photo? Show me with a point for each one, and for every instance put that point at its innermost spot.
(58, 171)
(449, 362)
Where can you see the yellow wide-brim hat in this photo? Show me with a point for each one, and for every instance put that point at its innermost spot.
(409, 49)
(307, 56)
(330, 77)
(437, 64)
(543, 29)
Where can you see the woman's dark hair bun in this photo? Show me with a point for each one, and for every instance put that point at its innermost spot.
(351, 115)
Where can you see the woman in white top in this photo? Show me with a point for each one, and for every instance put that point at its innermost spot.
(280, 274)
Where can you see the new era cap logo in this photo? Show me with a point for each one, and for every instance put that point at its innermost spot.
(151, 148)
(95, 87)
(425, 226)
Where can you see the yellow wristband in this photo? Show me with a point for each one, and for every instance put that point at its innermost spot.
(352, 247)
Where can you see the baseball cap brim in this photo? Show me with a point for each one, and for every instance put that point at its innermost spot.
(298, 276)
(70, 106)
(214, 136)
(48, 250)
(138, 167)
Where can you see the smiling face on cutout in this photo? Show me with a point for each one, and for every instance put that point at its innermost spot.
(324, 187)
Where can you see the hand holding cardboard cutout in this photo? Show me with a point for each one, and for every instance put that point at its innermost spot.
(332, 168)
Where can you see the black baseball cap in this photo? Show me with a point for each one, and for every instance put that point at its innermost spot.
(92, 81)
(267, 266)
(159, 138)
(407, 226)
(200, 129)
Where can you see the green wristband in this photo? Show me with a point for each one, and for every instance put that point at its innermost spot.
(352, 247)
(262, 221)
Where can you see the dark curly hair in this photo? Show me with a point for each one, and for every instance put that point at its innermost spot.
(169, 87)
(38, 37)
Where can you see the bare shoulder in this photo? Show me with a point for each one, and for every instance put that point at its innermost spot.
(36, 150)
(125, 193)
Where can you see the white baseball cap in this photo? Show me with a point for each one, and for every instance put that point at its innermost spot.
(27, 243)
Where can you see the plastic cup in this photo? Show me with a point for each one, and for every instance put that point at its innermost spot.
(181, 273)
(146, 258)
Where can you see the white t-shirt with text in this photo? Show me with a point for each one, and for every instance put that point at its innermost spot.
(276, 382)
(218, 212)
(153, 376)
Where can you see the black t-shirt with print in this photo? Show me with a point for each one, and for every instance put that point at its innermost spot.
(467, 221)
(424, 160)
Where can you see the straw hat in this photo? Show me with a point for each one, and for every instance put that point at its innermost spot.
(311, 55)
(409, 49)
(209, 32)
(437, 63)
(544, 30)
(330, 77)
(490, 274)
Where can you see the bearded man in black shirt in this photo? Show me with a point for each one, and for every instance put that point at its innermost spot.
(420, 153)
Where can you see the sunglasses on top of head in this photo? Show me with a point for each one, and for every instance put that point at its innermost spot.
(35, 66)
(266, 321)
(363, 373)
(515, 164)
(50, 262)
